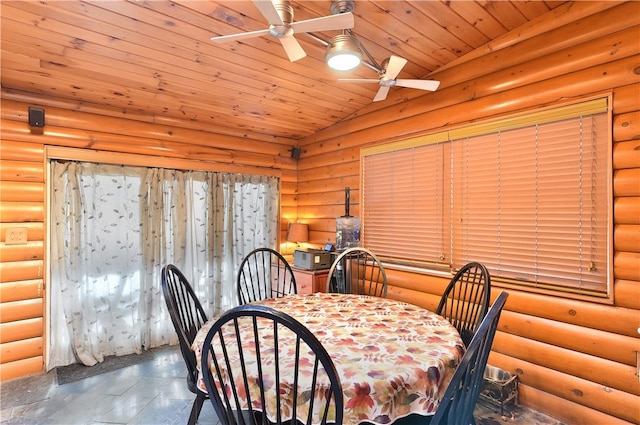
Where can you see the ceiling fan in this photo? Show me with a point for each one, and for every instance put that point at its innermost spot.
(279, 15)
(390, 69)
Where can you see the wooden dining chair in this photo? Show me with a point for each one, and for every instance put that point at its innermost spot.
(465, 300)
(299, 381)
(357, 271)
(187, 316)
(461, 396)
(264, 273)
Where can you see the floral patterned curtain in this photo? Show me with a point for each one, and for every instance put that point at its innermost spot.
(113, 228)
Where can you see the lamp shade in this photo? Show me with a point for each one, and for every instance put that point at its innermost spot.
(298, 232)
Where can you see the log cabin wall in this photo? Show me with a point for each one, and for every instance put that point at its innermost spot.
(576, 360)
(23, 199)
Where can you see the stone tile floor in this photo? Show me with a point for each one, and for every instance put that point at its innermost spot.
(150, 392)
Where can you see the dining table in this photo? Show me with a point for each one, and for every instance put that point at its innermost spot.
(394, 359)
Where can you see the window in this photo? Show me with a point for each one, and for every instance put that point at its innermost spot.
(528, 196)
(113, 228)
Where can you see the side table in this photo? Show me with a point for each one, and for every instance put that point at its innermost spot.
(308, 281)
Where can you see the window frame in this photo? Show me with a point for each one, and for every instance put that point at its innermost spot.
(555, 113)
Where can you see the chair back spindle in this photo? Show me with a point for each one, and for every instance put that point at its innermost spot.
(187, 316)
(357, 271)
(264, 273)
(460, 398)
(465, 301)
(298, 384)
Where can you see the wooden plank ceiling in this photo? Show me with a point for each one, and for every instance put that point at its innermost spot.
(155, 57)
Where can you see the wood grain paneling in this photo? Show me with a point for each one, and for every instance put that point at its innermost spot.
(626, 265)
(584, 366)
(20, 368)
(626, 155)
(21, 290)
(144, 141)
(574, 357)
(22, 191)
(627, 126)
(21, 310)
(463, 84)
(22, 194)
(627, 237)
(21, 171)
(568, 412)
(21, 329)
(35, 230)
(18, 350)
(626, 182)
(15, 212)
(627, 294)
(16, 151)
(625, 99)
(115, 54)
(606, 345)
(606, 399)
(577, 359)
(22, 186)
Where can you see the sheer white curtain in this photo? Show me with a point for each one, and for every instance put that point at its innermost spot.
(113, 228)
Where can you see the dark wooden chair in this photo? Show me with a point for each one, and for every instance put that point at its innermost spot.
(264, 273)
(357, 271)
(187, 316)
(237, 370)
(461, 396)
(465, 301)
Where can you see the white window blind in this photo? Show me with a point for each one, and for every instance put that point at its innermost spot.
(526, 196)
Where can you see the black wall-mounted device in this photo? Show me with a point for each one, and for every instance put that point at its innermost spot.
(36, 116)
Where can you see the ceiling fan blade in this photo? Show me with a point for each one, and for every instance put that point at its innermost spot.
(358, 80)
(269, 11)
(396, 63)
(293, 49)
(382, 94)
(326, 23)
(239, 36)
(430, 85)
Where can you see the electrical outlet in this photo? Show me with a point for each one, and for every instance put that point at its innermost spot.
(16, 236)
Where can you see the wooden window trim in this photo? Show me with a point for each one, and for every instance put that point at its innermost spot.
(118, 158)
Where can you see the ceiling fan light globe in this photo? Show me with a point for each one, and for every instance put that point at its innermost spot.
(344, 61)
(343, 53)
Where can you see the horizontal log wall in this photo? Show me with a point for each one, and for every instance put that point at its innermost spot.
(21, 266)
(22, 195)
(576, 360)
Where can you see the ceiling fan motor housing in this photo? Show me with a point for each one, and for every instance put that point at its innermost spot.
(386, 82)
(285, 11)
(342, 6)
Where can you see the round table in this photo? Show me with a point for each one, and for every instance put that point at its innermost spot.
(393, 358)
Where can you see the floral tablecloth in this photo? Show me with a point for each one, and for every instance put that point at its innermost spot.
(393, 358)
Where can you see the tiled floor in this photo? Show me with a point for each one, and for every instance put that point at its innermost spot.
(153, 392)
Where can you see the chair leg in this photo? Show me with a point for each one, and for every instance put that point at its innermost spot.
(196, 408)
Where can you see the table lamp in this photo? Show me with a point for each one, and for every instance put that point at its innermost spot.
(298, 233)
